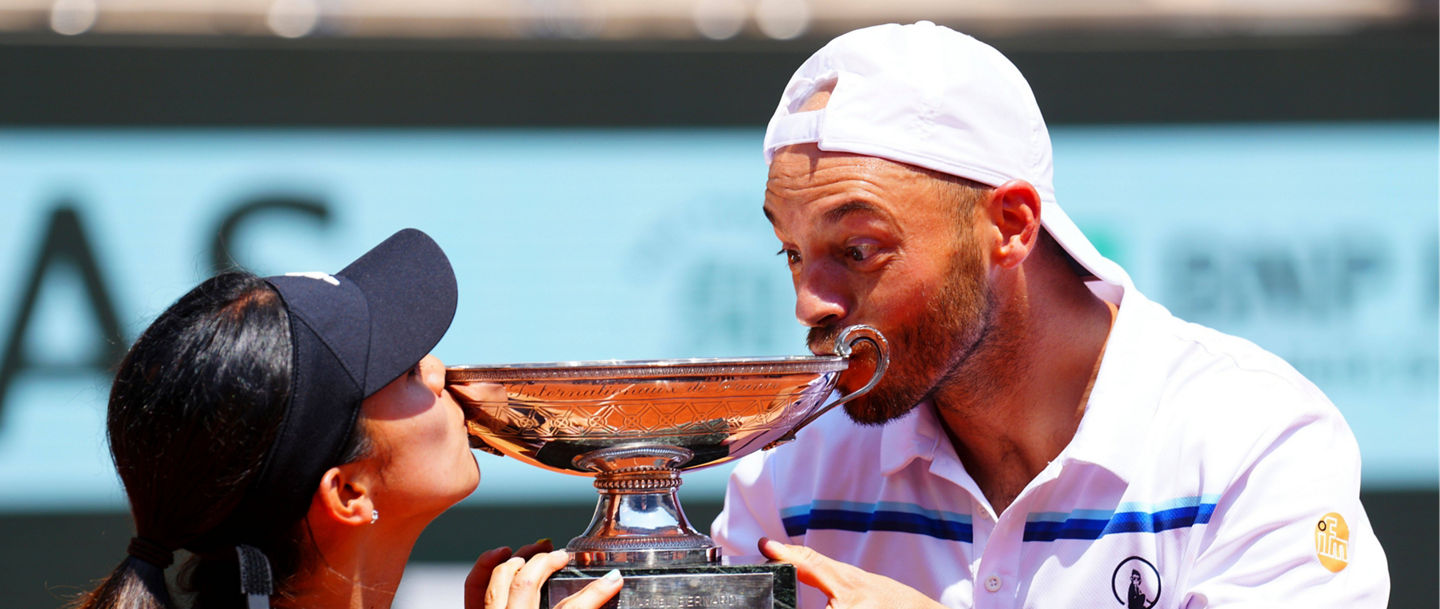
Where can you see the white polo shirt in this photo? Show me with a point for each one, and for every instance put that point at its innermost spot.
(1205, 472)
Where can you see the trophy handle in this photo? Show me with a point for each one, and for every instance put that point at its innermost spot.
(844, 346)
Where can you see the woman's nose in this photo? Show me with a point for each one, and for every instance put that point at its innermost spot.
(432, 370)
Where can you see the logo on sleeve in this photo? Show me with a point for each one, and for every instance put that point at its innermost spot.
(1332, 542)
(1136, 583)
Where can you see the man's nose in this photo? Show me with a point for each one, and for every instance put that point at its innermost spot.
(819, 298)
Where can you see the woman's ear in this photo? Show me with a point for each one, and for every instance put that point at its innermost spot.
(344, 496)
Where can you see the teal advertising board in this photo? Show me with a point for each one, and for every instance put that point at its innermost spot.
(1317, 242)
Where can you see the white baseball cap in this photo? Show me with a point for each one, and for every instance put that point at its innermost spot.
(929, 96)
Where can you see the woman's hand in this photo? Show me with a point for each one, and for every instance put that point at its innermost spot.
(505, 580)
(479, 579)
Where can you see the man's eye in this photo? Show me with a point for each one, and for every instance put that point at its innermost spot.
(792, 258)
(859, 253)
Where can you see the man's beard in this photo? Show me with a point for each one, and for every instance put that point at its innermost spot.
(928, 351)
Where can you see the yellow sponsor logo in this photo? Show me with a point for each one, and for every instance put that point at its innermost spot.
(1332, 542)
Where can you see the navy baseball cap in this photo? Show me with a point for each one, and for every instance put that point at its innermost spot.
(351, 333)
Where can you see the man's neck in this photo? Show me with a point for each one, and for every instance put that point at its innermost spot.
(1018, 402)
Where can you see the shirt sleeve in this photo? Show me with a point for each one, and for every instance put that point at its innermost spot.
(750, 510)
(1290, 530)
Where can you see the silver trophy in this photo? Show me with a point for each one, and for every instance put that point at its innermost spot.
(634, 426)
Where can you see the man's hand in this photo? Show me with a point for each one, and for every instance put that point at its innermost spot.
(847, 586)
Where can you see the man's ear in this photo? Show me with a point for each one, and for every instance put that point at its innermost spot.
(344, 496)
(1014, 208)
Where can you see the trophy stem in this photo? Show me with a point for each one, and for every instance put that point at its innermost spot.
(638, 521)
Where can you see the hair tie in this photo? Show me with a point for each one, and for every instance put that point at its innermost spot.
(256, 583)
(151, 551)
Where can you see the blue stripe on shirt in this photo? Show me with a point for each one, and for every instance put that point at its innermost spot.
(884, 516)
(1090, 524)
(1040, 526)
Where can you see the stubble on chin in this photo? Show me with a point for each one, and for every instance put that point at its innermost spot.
(956, 325)
(881, 406)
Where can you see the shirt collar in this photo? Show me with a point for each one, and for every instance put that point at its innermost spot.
(1117, 414)
(912, 436)
(919, 436)
(1122, 401)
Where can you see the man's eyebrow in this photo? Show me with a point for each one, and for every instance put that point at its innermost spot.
(839, 212)
(850, 207)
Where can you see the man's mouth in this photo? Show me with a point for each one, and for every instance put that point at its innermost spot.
(821, 340)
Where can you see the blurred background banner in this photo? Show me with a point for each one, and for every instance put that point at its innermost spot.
(593, 170)
(637, 244)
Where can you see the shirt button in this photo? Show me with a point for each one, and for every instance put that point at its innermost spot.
(992, 583)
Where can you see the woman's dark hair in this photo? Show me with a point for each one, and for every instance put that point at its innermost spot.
(196, 403)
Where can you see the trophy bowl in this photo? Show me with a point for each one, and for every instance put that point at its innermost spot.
(635, 425)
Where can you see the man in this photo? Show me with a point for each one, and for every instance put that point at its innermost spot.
(1045, 436)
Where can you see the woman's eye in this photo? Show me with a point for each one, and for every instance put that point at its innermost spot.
(791, 257)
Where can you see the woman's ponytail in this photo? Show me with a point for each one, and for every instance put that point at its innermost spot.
(195, 403)
(134, 584)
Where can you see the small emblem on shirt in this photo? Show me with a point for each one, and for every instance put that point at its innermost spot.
(1136, 583)
(325, 277)
(1332, 542)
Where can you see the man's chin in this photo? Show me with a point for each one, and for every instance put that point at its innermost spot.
(878, 410)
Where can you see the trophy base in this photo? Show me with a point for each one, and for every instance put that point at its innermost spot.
(738, 583)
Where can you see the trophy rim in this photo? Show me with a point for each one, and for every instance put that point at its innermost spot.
(646, 369)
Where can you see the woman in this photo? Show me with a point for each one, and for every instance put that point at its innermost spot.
(292, 434)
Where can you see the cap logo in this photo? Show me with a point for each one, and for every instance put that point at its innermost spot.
(317, 275)
(1332, 542)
